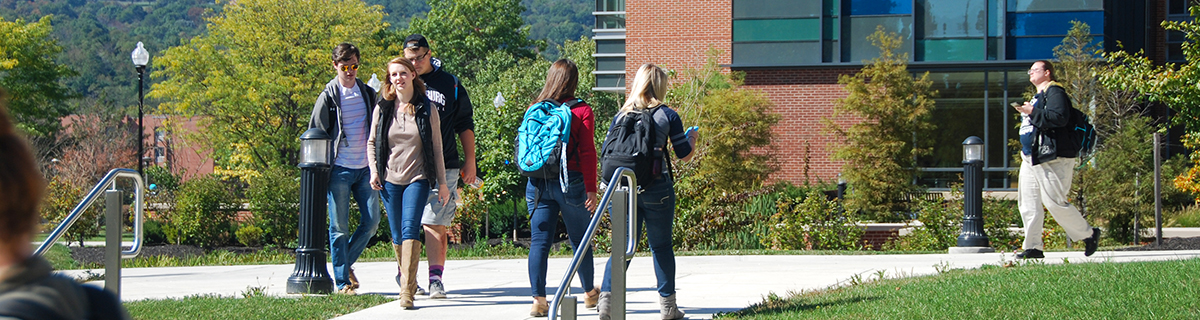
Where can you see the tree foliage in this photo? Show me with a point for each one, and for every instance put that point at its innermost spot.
(892, 109)
(254, 75)
(519, 80)
(731, 161)
(465, 33)
(32, 77)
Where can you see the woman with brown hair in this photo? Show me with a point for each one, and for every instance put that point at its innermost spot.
(404, 155)
(546, 198)
(29, 289)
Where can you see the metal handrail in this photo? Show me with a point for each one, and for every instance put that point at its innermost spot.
(107, 181)
(631, 232)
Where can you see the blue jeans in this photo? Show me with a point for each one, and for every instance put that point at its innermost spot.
(543, 219)
(344, 249)
(405, 204)
(656, 210)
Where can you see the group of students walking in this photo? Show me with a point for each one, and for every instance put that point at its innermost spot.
(402, 148)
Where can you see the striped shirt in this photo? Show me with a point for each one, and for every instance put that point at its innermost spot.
(352, 151)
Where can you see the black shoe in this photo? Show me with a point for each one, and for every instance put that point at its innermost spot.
(1030, 254)
(1090, 244)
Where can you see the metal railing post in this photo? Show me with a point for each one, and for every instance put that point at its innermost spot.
(623, 224)
(618, 217)
(112, 241)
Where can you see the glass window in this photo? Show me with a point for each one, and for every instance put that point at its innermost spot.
(1051, 23)
(832, 29)
(958, 114)
(832, 7)
(776, 9)
(950, 49)
(610, 46)
(610, 64)
(610, 80)
(776, 30)
(860, 27)
(995, 18)
(610, 21)
(610, 5)
(952, 18)
(880, 7)
(1030, 48)
(777, 53)
(1054, 5)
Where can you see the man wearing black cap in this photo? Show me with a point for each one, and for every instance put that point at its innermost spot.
(456, 114)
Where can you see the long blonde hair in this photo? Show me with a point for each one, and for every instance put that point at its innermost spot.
(649, 87)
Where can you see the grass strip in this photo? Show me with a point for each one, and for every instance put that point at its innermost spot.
(253, 307)
(1134, 290)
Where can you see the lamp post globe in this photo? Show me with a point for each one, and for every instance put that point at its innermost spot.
(972, 239)
(140, 57)
(310, 275)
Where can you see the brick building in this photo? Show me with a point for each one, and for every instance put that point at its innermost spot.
(976, 52)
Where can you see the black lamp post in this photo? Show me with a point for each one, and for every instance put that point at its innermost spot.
(310, 275)
(973, 239)
(140, 58)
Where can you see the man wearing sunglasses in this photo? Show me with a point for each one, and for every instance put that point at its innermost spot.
(456, 114)
(344, 109)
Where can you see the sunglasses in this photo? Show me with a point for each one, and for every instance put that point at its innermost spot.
(348, 67)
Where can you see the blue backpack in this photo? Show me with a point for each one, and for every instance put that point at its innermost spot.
(541, 148)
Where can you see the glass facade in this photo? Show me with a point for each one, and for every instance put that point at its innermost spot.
(609, 35)
(835, 31)
(973, 103)
(1177, 10)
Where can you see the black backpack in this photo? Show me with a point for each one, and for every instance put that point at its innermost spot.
(1083, 133)
(630, 143)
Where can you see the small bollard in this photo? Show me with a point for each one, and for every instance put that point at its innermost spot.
(568, 308)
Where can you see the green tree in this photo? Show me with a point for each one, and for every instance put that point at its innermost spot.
(892, 109)
(733, 157)
(519, 80)
(32, 77)
(464, 33)
(253, 76)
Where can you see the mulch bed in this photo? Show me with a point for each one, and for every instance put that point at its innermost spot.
(1192, 243)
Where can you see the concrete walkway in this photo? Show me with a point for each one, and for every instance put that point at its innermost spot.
(499, 289)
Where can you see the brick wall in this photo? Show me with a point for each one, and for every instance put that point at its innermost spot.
(676, 35)
(803, 98)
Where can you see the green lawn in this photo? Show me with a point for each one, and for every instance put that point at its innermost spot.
(1138, 290)
(253, 307)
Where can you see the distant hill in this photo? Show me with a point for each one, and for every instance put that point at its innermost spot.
(98, 36)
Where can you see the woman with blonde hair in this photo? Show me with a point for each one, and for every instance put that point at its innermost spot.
(404, 154)
(656, 203)
(546, 198)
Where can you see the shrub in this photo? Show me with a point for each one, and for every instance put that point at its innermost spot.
(274, 197)
(61, 198)
(204, 212)
(812, 223)
(998, 216)
(152, 232)
(941, 226)
(892, 109)
(250, 235)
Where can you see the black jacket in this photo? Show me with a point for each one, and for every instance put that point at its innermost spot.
(1051, 116)
(387, 113)
(456, 112)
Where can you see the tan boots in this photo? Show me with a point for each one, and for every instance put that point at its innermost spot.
(408, 257)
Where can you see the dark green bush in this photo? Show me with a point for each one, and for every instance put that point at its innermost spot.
(274, 198)
(204, 211)
(814, 223)
(250, 235)
(941, 224)
(152, 232)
